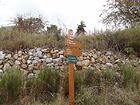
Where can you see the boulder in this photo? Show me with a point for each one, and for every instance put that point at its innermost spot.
(49, 60)
(17, 62)
(2, 55)
(8, 56)
(6, 66)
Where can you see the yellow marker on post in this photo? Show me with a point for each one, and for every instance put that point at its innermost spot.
(73, 50)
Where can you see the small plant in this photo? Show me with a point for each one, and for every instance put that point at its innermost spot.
(129, 50)
(11, 84)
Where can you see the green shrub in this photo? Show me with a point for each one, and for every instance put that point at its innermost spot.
(45, 84)
(11, 85)
(109, 76)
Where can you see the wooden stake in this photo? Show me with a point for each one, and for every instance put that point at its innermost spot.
(71, 84)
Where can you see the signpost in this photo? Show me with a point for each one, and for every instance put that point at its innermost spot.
(72, 52)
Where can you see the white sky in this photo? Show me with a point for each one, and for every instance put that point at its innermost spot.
(69, 12)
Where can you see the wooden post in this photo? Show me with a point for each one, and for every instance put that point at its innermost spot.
(71, 84)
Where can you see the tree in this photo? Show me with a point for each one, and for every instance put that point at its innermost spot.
(31, 24)
(121, 12)
(80, 29)
(54, 30)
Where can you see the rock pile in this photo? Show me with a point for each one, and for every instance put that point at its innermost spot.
(32, 60)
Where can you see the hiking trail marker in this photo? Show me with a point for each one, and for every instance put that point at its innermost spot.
(72, 52)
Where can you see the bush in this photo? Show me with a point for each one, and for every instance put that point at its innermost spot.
(11, 85)
(45, 85)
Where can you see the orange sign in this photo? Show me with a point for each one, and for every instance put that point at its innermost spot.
(73, 51)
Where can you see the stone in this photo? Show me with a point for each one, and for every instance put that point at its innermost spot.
(108, 53)
(2, 56)
(1, 62)
(1, 72)
(20, 53)
(30, 67)
(56, 60)
(49, 55)
(19, 59)
(93, 60)
(38, 54)
(95, 56)
(1, 66)
(30, 75)
(24, 61)
(44, 50)
(31, 58)
(61, 52)
(36, 58)
(8, 56)
(79, 63)
(49, 60)
(17, 62)
(44, 56)
(118, 61)
(29, 62)
(15, 56)
(6, 66)
(85, 62)
(139, 61)
(24, 66)
(109, 64)
(61, 56)
(34, 62)
(11, 62)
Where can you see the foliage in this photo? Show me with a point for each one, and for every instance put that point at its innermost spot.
(11, 85)
(80, 29)
(122, 12)
(30, 24)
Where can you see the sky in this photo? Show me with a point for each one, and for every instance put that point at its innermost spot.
(64, 13)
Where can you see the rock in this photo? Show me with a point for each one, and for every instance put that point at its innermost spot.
(30, 53)
(30, 67)
(19, 59)
(8, 56)
(2, 56)
(24, 61)
(118, 61)
(15, 56)
(24, 66)
(36, 58)
(45, 56)
(95, 56)
(61, 52)
(56, 60)
(61, 56)
(1, 72)
(11, 62)
(93, 60)
(39, 54)
(1, 62)
(31, 58)
(139, 61)
(85, 62)
(108, 53)
(17, 62)
(79, 63)
(1, 66)
(49, 55)
(34, 62)
(6, 66)
(20, 53)
(98, 53)
(109, 64)
(30, 75)
(29, 62)
(49, 60)
(44, 50)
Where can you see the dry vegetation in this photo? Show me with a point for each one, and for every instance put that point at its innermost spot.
(108, 87)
